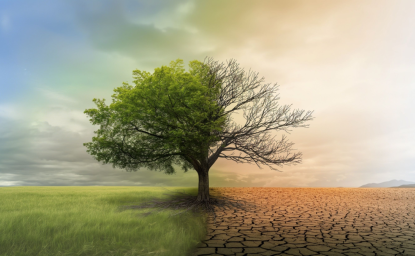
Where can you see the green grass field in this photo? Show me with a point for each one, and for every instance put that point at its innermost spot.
(87, 221)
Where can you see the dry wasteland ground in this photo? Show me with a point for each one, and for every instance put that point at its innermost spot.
(313, 221)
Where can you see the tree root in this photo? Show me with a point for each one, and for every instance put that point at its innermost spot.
(186, 202)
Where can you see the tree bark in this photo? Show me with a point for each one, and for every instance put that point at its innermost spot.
(203, 194)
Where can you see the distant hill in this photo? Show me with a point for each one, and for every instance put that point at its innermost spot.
(388, 184)
(406, 186)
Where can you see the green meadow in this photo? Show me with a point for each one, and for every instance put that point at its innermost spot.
(88, 221)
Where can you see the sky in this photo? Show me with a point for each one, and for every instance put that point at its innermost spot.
(351, 62)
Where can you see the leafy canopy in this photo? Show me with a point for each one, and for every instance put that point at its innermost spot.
(168, 117)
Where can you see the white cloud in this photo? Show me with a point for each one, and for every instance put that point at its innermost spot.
(186, 8)
(6, 179)
(57, 97)
(61, 111)
(64, 118)
(8, 111)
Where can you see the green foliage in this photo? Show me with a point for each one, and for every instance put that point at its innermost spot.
(165, 118)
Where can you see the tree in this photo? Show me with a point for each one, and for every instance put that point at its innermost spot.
(174, 117)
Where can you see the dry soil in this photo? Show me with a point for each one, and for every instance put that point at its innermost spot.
(313, 221)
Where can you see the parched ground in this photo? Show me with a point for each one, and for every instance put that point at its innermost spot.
(314, 221)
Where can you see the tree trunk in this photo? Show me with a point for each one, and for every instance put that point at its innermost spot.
(203, 194)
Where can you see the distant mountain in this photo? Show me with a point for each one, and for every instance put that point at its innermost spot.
(388, 184)
(406, 186)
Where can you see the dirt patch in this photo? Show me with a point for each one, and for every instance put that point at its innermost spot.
(313, 221)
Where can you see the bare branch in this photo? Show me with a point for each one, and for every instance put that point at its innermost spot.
(247, 92)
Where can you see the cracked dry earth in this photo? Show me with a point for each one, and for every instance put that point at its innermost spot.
(313, 221)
